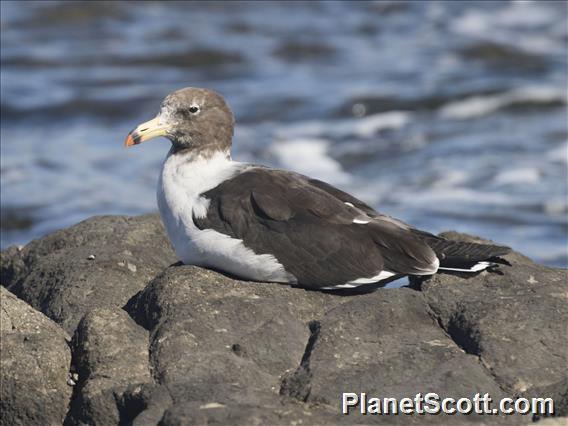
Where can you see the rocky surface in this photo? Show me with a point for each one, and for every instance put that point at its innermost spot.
(154, 342)
(515, 323)
(34, 366)
(110, 353)
(99, 262)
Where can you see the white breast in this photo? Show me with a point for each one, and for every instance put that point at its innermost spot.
(180, 184)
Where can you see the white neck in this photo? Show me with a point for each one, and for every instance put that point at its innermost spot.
(194, 174)
(183, 179)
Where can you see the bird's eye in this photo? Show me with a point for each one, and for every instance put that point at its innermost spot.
(194, 109)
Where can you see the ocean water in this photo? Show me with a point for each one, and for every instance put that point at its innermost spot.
(448, 115)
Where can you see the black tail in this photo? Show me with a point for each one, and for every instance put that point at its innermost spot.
(463, 256)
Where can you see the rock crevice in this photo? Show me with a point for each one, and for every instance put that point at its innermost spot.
(297, 385)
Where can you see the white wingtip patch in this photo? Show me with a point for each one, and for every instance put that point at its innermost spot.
(339, 286)
(480, 266)
(347, 203)
(383, 275)
(361, 222)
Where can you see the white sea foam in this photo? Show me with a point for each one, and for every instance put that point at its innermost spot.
(309, 156)
(556, 206)
(364, 127)
(559, 154)
(503, 25)
(451, 178)
(302, 129)
(478, 106)
(368, 126)
(477, 22)
(523, 175)
(472, 22)
(524, 14)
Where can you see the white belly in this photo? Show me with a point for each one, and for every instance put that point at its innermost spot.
(180, 185)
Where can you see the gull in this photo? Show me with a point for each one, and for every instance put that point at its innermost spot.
(263, 224)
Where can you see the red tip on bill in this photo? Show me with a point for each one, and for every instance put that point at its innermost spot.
(129, 141)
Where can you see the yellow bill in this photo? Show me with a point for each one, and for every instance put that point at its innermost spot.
(146, 131)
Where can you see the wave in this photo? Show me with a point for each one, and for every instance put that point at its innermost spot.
(478, 106)
(311, 157)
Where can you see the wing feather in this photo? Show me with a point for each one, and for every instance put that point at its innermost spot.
(307, 225)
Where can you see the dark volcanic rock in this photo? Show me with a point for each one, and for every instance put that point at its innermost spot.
(215, 339)
(515, 321)
(183, 345)
(386, 344)
(100, 262)
(392, 362)
(35, 365)
(110, 356)
(260, 412)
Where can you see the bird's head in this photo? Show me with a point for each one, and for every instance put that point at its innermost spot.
(192, 119)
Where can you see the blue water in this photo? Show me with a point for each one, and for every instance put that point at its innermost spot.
(448, 115)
